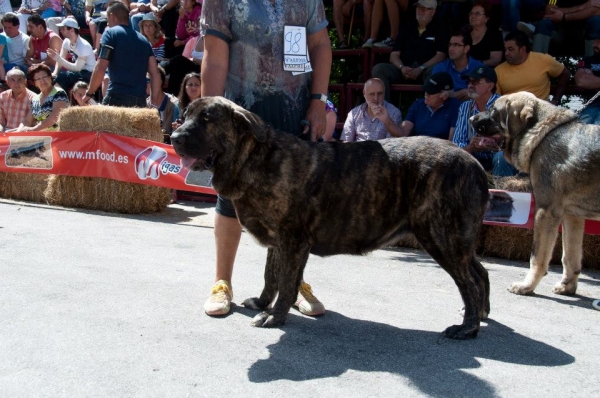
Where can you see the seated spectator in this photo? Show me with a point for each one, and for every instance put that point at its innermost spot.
(40, 41)
(375, 119)
(77, 96)
(150, 29)
(341, 10)
(188, 22)
(79, 50)
(45, 106)
(168, 15)
(17, 43)
(331, 120)
(73, 9)
(139, 9)
(419, 46)
(167, 105)
(394, 8)
(525, 70)
(482, 91)
(95, 17)
(28, 8)
(15, 103)
(459, 62)
(588, 77)
(3, 58)
(190, 91)
(559, 20)
(512, 9)
(188, 62)
(435, 115)
(487, 44)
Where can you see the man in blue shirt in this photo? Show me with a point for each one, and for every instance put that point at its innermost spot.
(130, 57)
(435, 115)
(459, 63)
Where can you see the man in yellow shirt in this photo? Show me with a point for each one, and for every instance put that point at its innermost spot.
(529, 71)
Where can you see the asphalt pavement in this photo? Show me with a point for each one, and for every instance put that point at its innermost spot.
(94, 304)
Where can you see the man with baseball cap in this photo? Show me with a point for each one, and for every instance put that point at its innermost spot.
(481, 88)
(434, 115)
(419, 46)
(81, 52)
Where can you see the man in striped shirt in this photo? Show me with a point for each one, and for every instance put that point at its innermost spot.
(15, 103)
(481, 89)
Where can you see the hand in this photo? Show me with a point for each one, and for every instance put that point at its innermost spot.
(181, 12)
(415, 73)
(175, 125)
(316, 120)
(178, 43)
(555, 15)
(405, 70)
(379, 111)
(52, 53)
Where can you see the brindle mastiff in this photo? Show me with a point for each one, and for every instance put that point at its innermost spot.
(299, 197)
(562, 157)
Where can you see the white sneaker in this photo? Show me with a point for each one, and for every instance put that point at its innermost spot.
(527, 28)
(369, 43)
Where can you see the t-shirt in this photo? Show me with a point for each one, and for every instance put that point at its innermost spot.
(17, 48)
(81, 49)
(416, 49)
(457, 75)
(491, 41)
(129, 62)
(433, 124)
(5, 51)
(533, 75)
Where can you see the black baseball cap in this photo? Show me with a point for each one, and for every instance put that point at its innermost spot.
(438, 82)
(482, 71)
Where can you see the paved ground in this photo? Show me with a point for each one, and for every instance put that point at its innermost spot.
(97, 304)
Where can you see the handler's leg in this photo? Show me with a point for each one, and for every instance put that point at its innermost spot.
(228, 232)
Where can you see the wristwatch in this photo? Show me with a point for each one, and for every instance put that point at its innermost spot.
(321, 97)
(422, 67)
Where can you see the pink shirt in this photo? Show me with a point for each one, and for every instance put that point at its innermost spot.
(189, 26)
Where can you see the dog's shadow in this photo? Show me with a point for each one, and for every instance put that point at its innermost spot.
(334, 344)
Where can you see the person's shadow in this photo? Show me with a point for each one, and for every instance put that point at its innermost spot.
(334, 344)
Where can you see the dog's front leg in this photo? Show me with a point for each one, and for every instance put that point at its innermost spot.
(572, 240)
(290, 262)
(545, 231)
(270, 289)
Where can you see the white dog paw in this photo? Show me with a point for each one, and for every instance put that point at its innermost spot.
(520, 288)
(567, 289)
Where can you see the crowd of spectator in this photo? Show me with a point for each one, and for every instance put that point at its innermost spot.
(149, 53)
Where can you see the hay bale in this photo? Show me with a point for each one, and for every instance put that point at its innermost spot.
(100, 193)
(23, 186)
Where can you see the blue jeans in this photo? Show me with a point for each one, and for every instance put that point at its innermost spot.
(501, 167)
(124, 100)
(590, 114)
(511, 11)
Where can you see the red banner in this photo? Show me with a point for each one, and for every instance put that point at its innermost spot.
(92, 154)
(106, 155)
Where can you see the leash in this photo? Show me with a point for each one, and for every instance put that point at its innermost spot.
(589, 102)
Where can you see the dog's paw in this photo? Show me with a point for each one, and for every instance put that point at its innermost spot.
(254, 303)
(266, 320)
(565, 289)
(461, 332)
(520, 288)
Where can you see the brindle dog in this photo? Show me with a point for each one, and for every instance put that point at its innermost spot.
(299, 197)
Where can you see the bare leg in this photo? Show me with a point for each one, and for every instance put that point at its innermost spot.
(338, 18)
(228, 232)
(377, 18)
(368, 16)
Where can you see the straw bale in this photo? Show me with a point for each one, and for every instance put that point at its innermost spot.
(23, 186)
(100, 193)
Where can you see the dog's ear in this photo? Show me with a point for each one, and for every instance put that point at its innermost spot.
(250, 122)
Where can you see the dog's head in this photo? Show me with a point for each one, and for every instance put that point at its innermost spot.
(215, 129)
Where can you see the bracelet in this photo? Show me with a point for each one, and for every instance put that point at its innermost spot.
(88, 95)
(564, 19)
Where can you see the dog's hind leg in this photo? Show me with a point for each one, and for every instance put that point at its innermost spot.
(545, 231)
(289, 261)
(572, 240)
(483, 279)
(270, 288)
